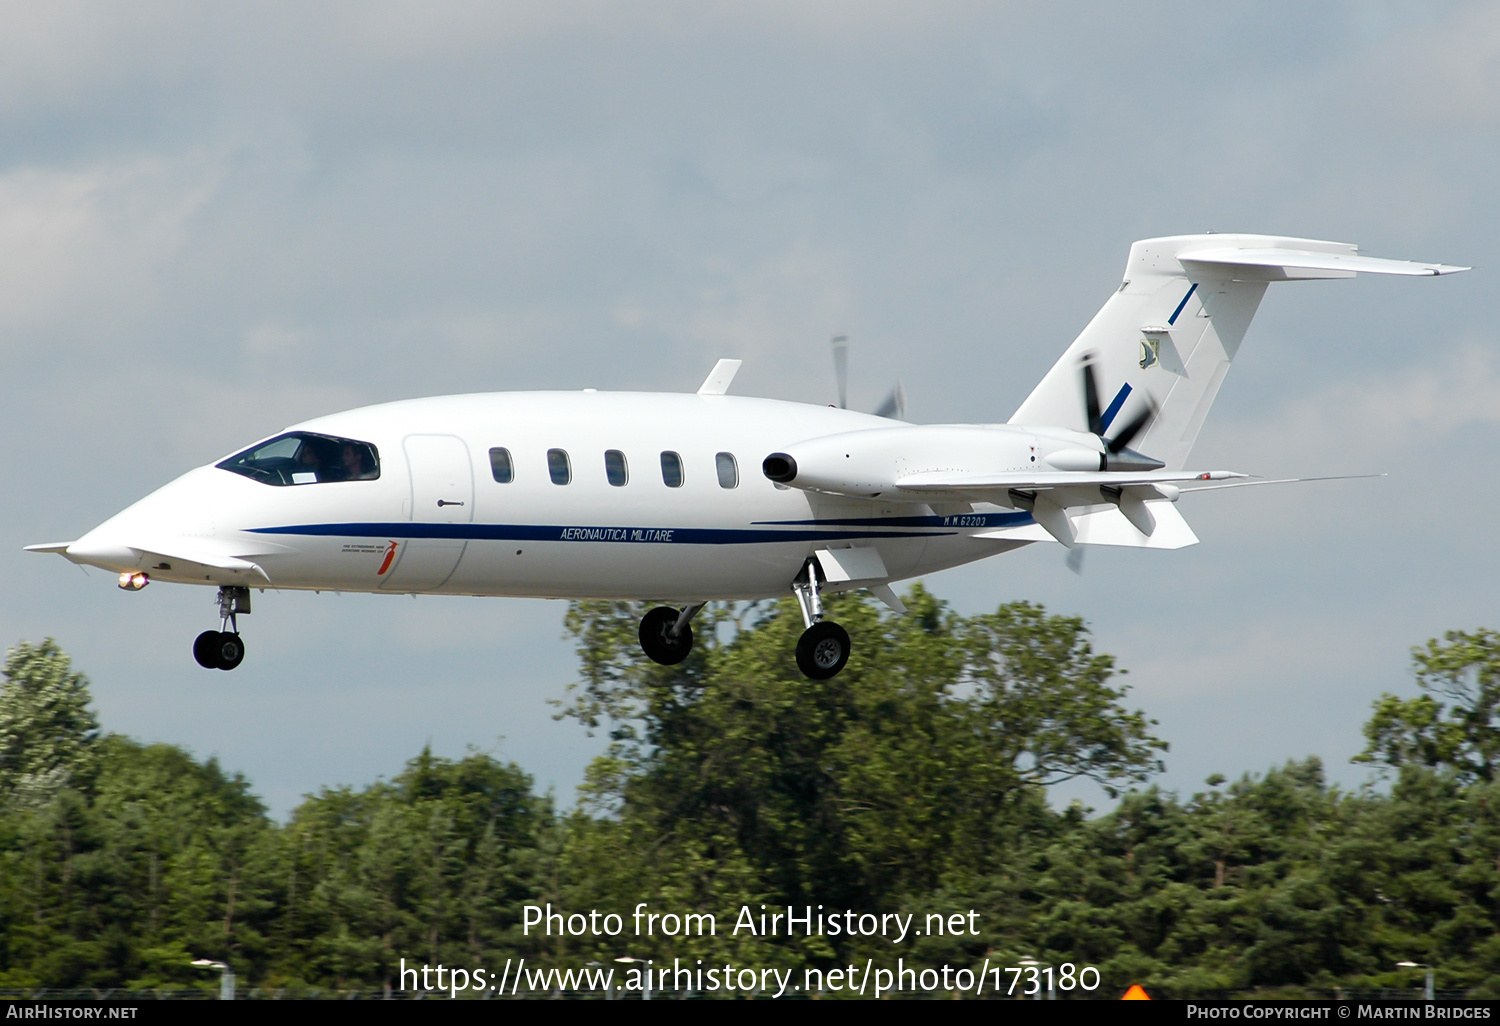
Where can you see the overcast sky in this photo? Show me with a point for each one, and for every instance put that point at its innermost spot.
(216, 220)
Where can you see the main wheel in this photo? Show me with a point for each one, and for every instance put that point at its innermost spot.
(205, 650)
(230, 651)
(656, 637)
(822, 650)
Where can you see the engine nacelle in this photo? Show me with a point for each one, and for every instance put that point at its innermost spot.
(868, 464)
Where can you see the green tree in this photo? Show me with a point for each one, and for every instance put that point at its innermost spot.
(48, 734)
(919, 767)
(432, 866)
(161, 859)
(1455, 723)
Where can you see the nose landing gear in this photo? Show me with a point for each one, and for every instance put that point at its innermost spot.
(223, 649)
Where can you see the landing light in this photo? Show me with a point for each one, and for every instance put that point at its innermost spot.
(134, 582)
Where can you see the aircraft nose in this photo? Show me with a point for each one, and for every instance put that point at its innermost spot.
(98, 550)
(169, 512)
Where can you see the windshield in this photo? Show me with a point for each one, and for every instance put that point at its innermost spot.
(305, 458)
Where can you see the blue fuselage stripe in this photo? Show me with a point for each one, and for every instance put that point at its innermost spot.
(845, 529)
(554, 532)
(960, 520)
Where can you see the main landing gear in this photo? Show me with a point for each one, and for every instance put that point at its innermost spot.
(667, 634)
(222, 649)
(824, 647)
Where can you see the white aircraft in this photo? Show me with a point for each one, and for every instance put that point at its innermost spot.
(693, 498)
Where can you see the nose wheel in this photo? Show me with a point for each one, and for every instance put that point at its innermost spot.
(224, 649)
(219, 650)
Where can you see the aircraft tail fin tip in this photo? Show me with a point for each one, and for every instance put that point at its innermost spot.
(1166, 337)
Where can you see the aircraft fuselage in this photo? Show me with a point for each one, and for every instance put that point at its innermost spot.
(436, 519)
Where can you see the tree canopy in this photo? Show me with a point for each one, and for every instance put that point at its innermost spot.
(1455, 723)
(914, 782)
(48, 734)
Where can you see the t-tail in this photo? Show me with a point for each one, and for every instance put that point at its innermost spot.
(1160, 347)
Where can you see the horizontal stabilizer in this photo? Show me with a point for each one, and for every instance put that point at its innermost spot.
(58, 547)
(1278, 480)
(1274, 264)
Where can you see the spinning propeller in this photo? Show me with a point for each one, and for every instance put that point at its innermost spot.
(894, 404)
(1117, 454)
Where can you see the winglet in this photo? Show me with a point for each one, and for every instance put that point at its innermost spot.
(717, 382)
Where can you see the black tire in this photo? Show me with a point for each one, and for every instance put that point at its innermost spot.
(230, 651)
(822, 650)
(656, 637)
(206, 650)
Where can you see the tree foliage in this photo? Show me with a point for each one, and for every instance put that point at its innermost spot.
(47, 731)
(913, 768)
(1455, 723)
(914, 782)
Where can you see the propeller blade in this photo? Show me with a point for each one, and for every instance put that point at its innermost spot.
(1091, 396)
(1075, 560)
(894, 405)
(1124, 436)
(841, 368)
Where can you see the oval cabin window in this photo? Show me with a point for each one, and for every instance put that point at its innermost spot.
(729, 470)
(501, 467)
(616, 469)
(671, 470)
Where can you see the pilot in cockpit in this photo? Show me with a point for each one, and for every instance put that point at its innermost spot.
(308, 460)
(354, 463)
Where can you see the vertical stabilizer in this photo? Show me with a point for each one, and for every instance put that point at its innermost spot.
(1168, 334)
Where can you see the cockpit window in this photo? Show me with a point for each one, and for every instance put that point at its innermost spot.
(305, 458)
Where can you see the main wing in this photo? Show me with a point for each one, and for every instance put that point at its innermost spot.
(1143, 515)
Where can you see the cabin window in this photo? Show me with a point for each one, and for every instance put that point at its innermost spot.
(501, 468)
(558, 467)
(729, 470)
(671, 469)
(301, 457)
(615, 468)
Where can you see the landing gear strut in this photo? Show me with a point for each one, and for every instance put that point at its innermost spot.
(222, 649)
(824, 646)
(667, 634)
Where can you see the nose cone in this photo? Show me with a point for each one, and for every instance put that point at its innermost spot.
(103, 549)
(123, 541)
